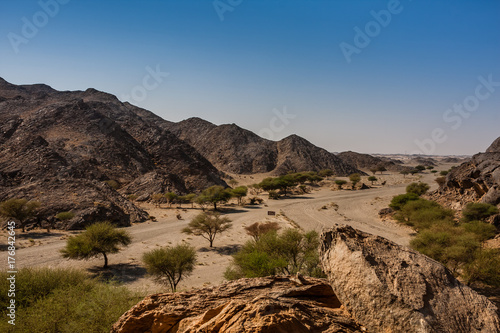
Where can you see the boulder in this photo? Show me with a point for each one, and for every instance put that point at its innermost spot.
(272, 304)
(390, 288)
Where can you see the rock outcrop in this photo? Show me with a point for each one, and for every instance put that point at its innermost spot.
(390, 288)
(475, 180)
(271, 305)
(234, 149)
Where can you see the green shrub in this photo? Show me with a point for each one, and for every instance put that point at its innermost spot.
(64, 216)
(417, 188)
(478, 211)
(399, 201)
(484, 268)
(422, 214)
(64, 300)
(482, 230)
(113, 184)
(290, 252)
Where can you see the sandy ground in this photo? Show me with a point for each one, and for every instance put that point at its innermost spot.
(357, 208)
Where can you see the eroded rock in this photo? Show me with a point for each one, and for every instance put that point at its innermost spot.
(273, 305)
(390, 288)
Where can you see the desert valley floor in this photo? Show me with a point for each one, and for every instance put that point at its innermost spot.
(316, 210)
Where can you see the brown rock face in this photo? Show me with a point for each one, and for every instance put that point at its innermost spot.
(474, 180)
(237, 150)
(366, 161)
(60, 148)
(270, 305)
(390, 288)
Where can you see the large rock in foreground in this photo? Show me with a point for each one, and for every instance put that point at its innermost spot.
(272, 305)
(390, 288)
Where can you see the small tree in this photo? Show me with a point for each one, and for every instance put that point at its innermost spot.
(478, 211)
(381, 168)
(420, 168)
(171, 264)
(233, 182)
(257, 229)
(372, 179)
(354, 178)
(191, 197)
(99, 238)
(404, 172)
(443, 172)
(374, 170)
(340, 183)
(208, 225)
(19, 210)
(216, 194)
(239, 193)
(171, 197)
(157, 199)
(417, 188)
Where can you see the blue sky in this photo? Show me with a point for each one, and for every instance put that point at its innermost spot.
(251, 61)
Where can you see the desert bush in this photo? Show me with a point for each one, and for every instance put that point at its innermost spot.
(239, 192)
(290, 252)
(478, 211)
(132, 197)
(19, 209)
(100, 238)
(340, 183)
(482, 230)
(399, 201)
(417, 188)
(65, 216)
(257, 229)
(440, 180)
(113, 184)
(443, 172)
(64, 300)
(422, 214)
(484, 268)
(372, 179)
(170, 265)
(274, 195)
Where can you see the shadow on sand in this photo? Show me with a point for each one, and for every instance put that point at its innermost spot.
(222, 250)
(123, 273)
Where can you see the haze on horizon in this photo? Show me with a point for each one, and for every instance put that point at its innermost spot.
(372, 77)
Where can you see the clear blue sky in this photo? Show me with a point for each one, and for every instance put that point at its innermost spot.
(270, 55)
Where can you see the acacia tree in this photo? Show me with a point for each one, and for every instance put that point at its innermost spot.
(100, 238)
(216, 194)
(340, 183)
(19, 209)
(171, 264)
(372, 179)
(239, 193)
(354, 178)
(208, 225)
(170, 196)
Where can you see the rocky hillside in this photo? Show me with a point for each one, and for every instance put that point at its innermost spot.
(373, 285)
(475, 180)
(234, 149)
(60, 148)
(367, 162)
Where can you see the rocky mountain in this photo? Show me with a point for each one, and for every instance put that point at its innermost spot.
(475, 180)
(367, 162)
(373, 285)
(60, 148)
(236, 150)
